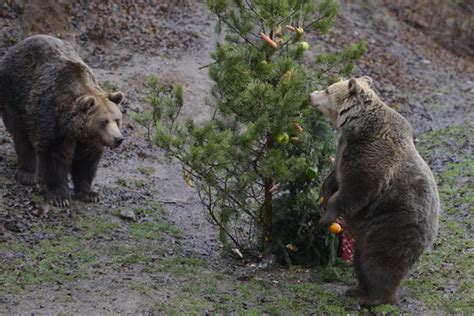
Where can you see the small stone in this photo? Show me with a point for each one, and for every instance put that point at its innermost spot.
(129, 215)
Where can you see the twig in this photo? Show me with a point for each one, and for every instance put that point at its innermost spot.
(208, 65)
(224, 20)
(252, 8)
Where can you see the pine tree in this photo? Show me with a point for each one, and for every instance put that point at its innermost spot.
(257, 165)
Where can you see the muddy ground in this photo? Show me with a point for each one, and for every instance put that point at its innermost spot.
(90, 260)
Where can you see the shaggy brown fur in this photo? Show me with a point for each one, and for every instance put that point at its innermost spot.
(59, 117)
(381, 187)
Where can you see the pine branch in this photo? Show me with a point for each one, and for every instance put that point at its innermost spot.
(233, 28)
(252, 8)
(215, 220)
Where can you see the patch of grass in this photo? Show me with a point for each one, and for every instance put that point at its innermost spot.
(121, 182)
(183, 265)
(109, 86)
(131, 253)
(340, 272)
(155, 226)
(93, 227)
(442, 144)
(146, 170)
(385, 310)
(134, 258)
(138, 184)
(131, 183)
(185, 305)
(145, 230)
(53, 260)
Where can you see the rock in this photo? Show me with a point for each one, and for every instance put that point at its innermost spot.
(467, 86)
(128, 215)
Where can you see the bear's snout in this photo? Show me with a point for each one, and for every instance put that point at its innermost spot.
(118, 141)
(313, 99)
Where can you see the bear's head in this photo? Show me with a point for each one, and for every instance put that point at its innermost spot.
(103, 118)
(332, 101)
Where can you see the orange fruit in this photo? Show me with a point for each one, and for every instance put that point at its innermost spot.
(335, 228)
(268, 40)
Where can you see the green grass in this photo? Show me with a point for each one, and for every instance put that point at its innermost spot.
(92, 227)
(146, 170)
(109, 86)
(154, 226)
(211, 291)
(60, 259)
(183, 265)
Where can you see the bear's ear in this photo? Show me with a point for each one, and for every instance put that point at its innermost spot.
(353, 86)
(369, 80)
(86, 102)
(116, 97)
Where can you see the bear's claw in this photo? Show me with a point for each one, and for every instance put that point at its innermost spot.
(60, 202)
(25, 177)
(91, 196)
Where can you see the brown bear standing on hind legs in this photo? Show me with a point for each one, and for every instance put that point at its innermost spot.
(59, 117)
(381, 186)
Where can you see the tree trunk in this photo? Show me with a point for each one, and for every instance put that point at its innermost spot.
(267, 212)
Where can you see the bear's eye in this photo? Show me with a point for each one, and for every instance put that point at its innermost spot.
(104, 123)
(327, 91)
(117, 121)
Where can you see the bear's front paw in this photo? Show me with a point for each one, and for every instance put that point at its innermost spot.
(89, 196)
(25, 177)
(59, 200)
(327, 219)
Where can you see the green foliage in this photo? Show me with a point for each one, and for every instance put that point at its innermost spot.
(163, 104)
(260, 188)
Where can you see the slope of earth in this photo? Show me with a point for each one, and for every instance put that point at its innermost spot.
(146, 247)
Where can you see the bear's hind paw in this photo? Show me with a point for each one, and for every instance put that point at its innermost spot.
(90, 196)
(372, 301)
(59, 201)
(355, 291)
(25, 177)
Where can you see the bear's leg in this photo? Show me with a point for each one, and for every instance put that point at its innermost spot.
(360, 289)
(382, 285)
(25, 153)
(329, 187)
(385, 260)
(54, 171)
(26, 158)
(83, 170)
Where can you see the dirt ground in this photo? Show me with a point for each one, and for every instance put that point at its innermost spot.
(89, 259)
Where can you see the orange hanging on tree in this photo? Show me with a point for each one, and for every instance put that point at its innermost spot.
(335, 228)
(269, 41)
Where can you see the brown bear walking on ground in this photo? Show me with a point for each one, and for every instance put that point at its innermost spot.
(381, 187)
(59, 117)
